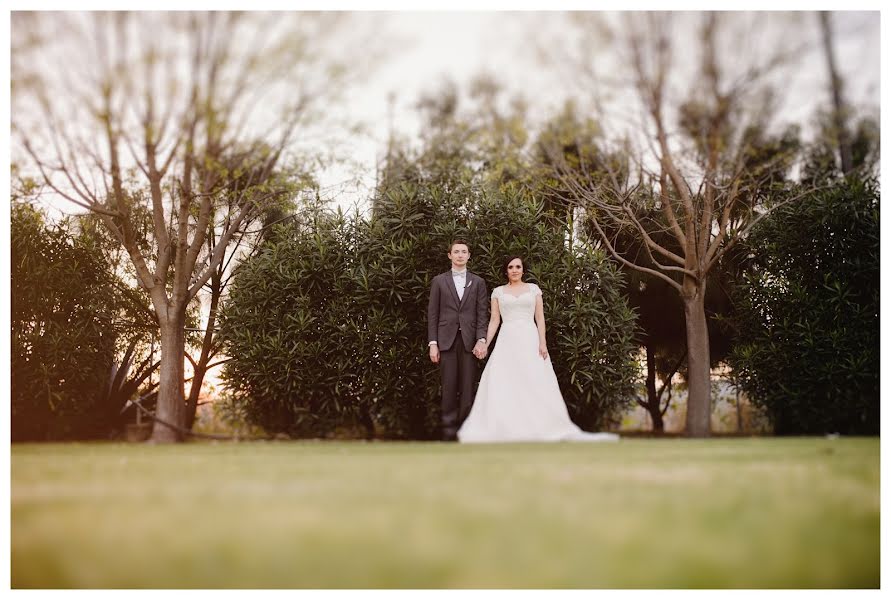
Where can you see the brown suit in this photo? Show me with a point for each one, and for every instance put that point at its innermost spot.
(449, 318)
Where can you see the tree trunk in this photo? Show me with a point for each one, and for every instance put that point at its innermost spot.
(739, 423)
(194, 392)
(699, 396)
(216, 291)
(207, 346)
(839, 116)
(367, 422)
(652, 397)
(171, 407)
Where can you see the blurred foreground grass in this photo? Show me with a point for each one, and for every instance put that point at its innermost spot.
(638, 514)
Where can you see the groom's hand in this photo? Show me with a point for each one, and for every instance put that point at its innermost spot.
(434, 353)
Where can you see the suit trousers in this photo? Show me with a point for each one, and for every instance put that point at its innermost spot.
(459, 369)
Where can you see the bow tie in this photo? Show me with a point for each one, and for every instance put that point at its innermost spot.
(459, 273)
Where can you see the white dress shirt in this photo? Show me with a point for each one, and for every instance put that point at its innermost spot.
(460, 279)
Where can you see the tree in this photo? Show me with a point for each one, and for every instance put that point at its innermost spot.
(693, 194)
(190, 133)
(660, 312)
(839, 110)
(257, 225)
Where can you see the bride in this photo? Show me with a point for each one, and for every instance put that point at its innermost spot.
(519, 398)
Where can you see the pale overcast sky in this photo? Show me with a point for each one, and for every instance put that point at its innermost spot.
(426, 47)
(429, 46)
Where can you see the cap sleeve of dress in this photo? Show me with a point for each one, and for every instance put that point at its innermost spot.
(496, 293)
(536, 291)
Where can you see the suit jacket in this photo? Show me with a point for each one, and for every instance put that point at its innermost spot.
(445, 313)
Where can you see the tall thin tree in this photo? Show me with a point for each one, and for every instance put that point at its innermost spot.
(836, 87)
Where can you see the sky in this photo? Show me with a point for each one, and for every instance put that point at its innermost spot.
(427, 47)
(424, 48)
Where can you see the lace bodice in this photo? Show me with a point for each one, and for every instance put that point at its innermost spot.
(516, 308)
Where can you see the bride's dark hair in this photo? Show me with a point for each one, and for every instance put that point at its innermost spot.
(507, 262)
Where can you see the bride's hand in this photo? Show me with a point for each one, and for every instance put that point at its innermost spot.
(543, 350)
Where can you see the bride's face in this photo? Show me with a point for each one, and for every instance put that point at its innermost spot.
(515, 271)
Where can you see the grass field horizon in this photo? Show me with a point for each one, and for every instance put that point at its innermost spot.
(642, 513)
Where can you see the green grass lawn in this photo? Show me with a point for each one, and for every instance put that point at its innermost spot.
(638, 514)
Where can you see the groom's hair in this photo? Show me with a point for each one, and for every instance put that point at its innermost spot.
(452, 245)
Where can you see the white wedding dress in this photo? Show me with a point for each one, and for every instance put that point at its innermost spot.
(519, 399)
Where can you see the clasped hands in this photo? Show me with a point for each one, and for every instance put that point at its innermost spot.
(479, 351)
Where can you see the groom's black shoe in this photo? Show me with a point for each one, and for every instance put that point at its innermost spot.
(449, 436)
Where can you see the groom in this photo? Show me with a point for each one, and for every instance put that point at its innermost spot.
(457, 317)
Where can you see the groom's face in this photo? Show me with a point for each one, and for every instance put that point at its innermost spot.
(459, 255)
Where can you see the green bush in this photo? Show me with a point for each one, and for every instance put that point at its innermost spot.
(808, 313)
(62, 342)
(291, 333)
(326, 326)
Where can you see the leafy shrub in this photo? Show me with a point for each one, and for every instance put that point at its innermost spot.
(291, 332)
(808, 313)
(327, 325)
(62, 343)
